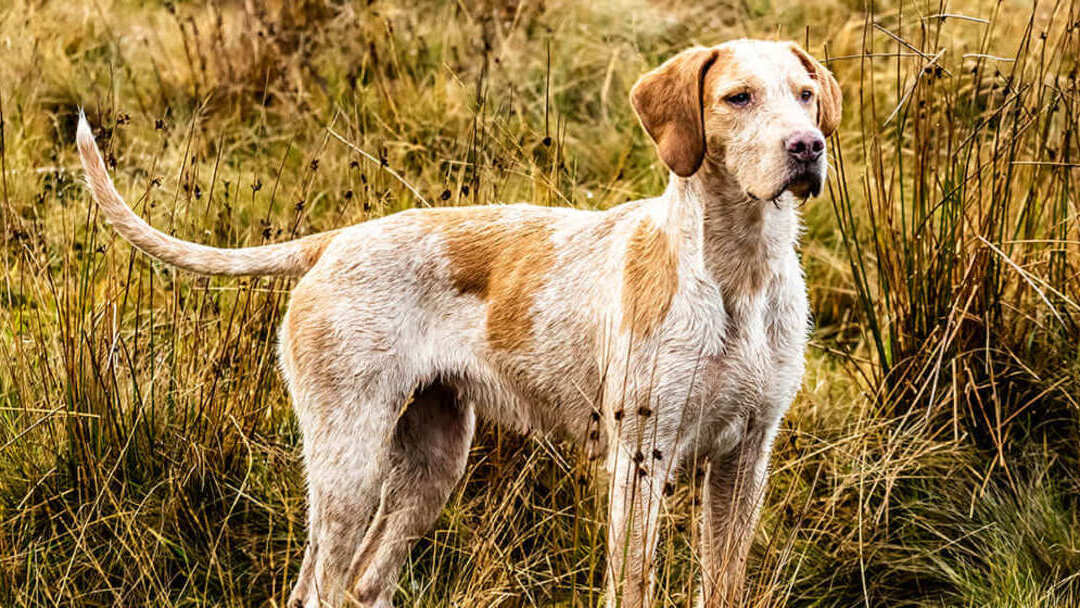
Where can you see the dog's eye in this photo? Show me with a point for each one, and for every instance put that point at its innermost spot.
(806, 95)
(739, 99)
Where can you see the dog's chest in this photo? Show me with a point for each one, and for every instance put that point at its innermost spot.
(753, 356)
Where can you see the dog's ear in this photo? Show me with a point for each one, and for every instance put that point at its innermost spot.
(668, 101)
(830, 99)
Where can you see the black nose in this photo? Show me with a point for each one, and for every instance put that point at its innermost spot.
(804, 146)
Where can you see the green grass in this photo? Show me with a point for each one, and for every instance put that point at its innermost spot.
(148, 455)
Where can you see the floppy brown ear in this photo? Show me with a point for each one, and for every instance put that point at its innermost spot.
(830, 100)
(668, 101)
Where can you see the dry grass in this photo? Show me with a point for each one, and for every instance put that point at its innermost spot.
(147, 451)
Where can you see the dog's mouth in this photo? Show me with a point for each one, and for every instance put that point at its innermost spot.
(803, 183)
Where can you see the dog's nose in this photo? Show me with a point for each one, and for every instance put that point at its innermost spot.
(804, 146)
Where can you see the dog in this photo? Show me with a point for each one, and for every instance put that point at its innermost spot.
(664, 334)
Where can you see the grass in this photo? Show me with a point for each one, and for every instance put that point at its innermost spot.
(147, 451)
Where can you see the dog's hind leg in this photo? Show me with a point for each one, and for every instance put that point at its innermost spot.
(347, 453)
(429, 449)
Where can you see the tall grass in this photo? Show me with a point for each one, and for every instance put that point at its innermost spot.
(148, 455)
(962, 239)
(960, 228)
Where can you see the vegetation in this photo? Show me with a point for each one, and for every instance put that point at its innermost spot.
(148, 455)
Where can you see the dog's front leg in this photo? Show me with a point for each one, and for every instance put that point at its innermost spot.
(732, 493)
(636, 495)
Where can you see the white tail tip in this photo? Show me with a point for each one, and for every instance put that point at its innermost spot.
(83, 132)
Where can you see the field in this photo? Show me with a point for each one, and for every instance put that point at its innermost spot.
(148, 453)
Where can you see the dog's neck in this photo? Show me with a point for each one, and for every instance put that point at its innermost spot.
(740, 240)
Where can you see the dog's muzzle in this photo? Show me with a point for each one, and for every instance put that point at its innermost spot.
(806, 163)
(805, 179)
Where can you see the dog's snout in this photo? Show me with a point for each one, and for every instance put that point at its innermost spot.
(805, 146)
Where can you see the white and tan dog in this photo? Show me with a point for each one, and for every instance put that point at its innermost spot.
(665, 333)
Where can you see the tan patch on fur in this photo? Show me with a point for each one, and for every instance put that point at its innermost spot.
(499, 259)
(650, 279)
(311, 342)
(315, 245)
(724, 67)
(301, 306)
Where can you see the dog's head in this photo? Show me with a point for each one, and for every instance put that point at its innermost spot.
(758, 110)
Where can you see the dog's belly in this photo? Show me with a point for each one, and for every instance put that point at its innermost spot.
(552, 386)
(537, 403)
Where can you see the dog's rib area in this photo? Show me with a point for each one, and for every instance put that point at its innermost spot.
(501, 260)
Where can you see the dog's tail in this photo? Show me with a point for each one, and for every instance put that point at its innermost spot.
(292, 258)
